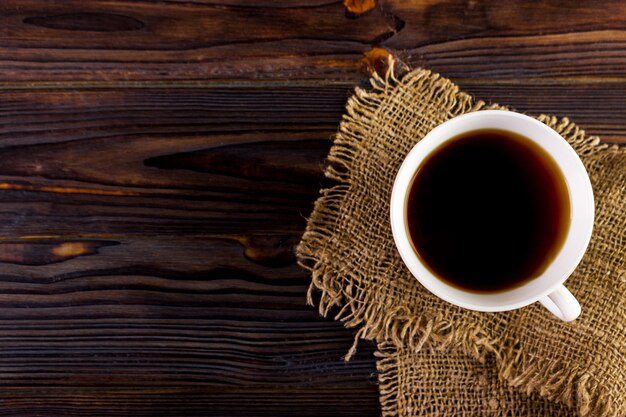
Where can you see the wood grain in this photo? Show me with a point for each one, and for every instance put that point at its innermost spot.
(182, 324)
(104, 41)
(140, 40)
(197, 401)
(211, 312)
(158, 161)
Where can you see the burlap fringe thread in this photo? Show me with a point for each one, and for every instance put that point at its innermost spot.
(395, 323)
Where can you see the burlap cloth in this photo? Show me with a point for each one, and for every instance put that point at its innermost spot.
(435, 358)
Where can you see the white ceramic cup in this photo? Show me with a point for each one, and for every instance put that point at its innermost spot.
(547, 288)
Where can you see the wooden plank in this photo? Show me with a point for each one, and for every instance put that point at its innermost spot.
(168, 319)
(439, 21)
(167, 161)
(198, 401)
(599, 108)
(515, 41)
(102, 42)
(203, 161)
(140, 40)
(570, 57)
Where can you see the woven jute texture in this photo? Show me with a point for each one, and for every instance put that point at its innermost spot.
(451, 383)
(434, 358)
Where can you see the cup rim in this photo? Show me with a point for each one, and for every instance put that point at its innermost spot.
(581, 200)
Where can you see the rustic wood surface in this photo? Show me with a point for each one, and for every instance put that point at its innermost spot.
(159, 160)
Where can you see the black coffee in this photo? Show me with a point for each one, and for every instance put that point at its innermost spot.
(488, 210)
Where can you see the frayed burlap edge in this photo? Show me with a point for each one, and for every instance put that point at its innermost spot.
(396, 323)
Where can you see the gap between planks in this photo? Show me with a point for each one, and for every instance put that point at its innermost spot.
(189, 84)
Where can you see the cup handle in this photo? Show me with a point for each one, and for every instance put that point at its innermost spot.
(562, 304)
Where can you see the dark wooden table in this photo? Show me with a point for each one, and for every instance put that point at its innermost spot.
(159, 160)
